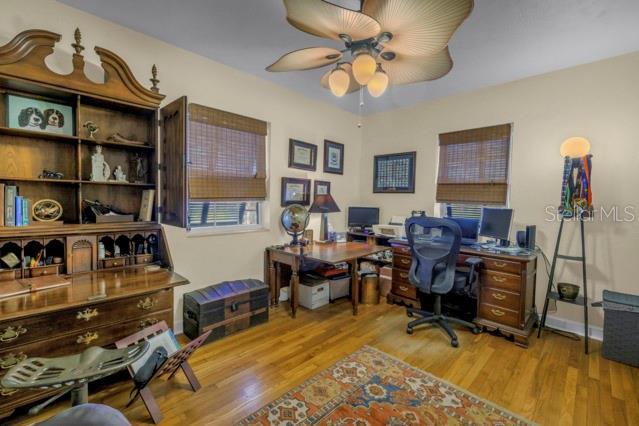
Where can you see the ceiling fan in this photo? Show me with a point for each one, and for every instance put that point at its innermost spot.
(389, 41)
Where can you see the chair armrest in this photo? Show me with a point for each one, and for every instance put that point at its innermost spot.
(473, 264)
(473, 261)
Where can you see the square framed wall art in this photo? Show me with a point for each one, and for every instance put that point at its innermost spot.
(333, 157)
(302, 155)
(394, 173)
(296, 191)
(321, 187)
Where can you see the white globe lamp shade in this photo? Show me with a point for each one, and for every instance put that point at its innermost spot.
(364, 67)
(378, 84)
(575, 147)
(339, 81)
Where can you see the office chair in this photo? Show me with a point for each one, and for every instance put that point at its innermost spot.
(434, 245)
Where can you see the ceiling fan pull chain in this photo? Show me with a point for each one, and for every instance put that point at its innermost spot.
(361, 106)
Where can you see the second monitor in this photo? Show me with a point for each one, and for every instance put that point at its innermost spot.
(495, 223)
(363, 217)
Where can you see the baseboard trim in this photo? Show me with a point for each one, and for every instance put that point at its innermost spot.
(576, 327)
(178, 327)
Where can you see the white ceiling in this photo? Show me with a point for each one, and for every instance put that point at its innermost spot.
(503, 40)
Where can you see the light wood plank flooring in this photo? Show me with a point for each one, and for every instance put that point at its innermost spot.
(552, 382)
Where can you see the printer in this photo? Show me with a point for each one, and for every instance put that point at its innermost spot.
(394, 229)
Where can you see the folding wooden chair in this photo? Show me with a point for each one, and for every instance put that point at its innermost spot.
(176, 361)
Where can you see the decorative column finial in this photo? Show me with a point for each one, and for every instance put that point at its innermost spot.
(78, 40)
(154, 80)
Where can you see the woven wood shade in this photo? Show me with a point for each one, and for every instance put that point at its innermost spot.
(473, 165)
(227, 156)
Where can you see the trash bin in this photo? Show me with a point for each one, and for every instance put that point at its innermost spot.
(370, 289)
(621, 327)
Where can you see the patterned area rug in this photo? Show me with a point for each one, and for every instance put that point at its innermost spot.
(370, 387)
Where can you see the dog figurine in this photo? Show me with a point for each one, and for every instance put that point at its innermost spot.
(32, 117)
(54, 119)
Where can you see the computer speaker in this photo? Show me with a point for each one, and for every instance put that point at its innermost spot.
(526, 239)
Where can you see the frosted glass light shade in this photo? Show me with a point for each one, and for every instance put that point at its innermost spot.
(364, 67)
(378, 84)
(339, 82)
(575, 147)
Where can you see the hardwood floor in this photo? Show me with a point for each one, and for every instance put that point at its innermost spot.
(552, 382)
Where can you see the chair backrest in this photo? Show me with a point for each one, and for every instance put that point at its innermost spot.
(434, 244)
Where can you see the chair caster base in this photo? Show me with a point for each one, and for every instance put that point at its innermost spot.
(454, 343)
(409, 330)
(409, 314)
(476, 330)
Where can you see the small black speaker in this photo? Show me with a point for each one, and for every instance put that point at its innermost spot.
(526, 239)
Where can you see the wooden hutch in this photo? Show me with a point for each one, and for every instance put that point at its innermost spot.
(101, 295)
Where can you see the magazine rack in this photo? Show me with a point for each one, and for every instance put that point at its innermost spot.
(178, 360)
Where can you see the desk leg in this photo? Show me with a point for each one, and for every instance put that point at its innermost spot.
(278, 282)
(294, 287)
(272, 282)
(355, 283)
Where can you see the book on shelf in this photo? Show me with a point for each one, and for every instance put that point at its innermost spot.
(10, 192)
(26, 212)
(18, 210)
(1, 204)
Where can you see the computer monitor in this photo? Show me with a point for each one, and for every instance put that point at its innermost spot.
(495, 223)
(363, 217)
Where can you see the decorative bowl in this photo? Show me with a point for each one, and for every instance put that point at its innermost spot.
(568, 291)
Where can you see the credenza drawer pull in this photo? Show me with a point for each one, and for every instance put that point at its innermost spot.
(87, 314)
(500, 264)
(7, 392)
(498, 313)
(11, 359)
(147, 303)
(148, 322)
(403, 275)
(403, 288)
(12, 333)
(87, 337)
(499, 279)
(405, 261)
(499, 296)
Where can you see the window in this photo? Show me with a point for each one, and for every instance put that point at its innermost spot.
(226, 168)
(474, 165)
(467, 211)
(210, 213)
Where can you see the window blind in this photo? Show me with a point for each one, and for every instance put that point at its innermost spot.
(473, 165)
(227, 156)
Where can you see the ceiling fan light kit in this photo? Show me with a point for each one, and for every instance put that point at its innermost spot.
(389, 41)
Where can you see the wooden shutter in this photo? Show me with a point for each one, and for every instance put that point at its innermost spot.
(473, 165)
(173, 164)
(227, 156)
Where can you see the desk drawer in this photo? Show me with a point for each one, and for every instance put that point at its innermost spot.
(21, 331)
(405, 290)
(502, 281)
(498, 297)
(401, 262)
(401, 275)
(502, 265)
(402, 250)
(499, 315)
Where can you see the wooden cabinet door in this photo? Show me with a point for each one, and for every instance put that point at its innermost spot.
(173, 166)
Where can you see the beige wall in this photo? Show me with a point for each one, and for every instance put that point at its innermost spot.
(210, 259)
(599, 101)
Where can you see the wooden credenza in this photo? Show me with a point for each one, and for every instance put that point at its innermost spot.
(507, 289)
(65, 320)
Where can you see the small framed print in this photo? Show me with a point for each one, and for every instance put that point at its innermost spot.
(394, 173)
(333, 157)
(302, 155)
(321, 187)
(38, 115)
(296, 191)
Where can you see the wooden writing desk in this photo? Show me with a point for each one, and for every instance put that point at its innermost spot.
(332, 253)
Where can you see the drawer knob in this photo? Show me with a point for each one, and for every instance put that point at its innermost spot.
(87, 337)
(403, 288)
(499, 279)
(405, 261)
(500, 264)
(87, 314)
(498, 313)
(147, 303)
(403, 275)
(148, 322)
(12, 333)
(11, 359)
(499, 296)
(7, 392)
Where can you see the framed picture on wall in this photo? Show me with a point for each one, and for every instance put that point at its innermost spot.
(394, 173)
(333, 157)
(321, 187)
(302, 155)
(296, 191)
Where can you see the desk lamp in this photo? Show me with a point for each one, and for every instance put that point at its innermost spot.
(324, 204)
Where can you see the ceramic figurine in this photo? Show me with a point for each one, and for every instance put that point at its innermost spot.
(92, 128)
(100, 170)
(119, 174)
